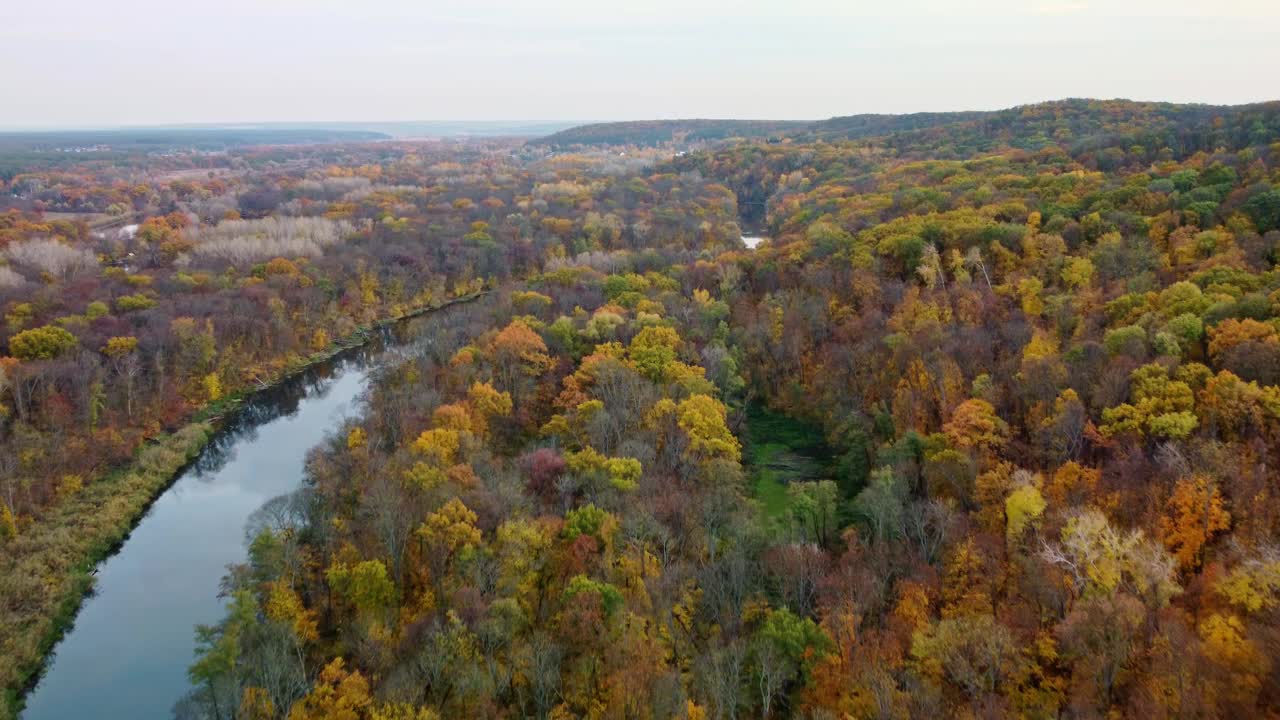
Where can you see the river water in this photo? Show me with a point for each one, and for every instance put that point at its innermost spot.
(128, 653)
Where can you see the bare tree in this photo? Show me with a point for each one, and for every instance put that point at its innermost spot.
(10, 279)
(50, 256)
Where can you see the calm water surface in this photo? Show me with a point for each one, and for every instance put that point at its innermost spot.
(128, 653)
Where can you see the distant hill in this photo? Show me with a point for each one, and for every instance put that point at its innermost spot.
(658, 132)
(688, 132)
(875, 125)
(1076, 125)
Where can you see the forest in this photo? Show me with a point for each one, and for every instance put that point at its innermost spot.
(988, 426)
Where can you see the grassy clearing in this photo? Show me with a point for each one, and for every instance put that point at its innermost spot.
(781, 450)
(768, 487)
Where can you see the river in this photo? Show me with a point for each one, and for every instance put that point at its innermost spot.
(127, 655)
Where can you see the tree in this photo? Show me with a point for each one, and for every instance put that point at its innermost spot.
(1242, 662)
(812, 505)
(1192, 515)
(975, 653)
(1077, 273)
(366, 585)
(217, 666)
(1102, 640)
(542, 468)
(974, 424)
(965, 585)
(703, 420)
(488, 403)
(1253, 585)
(610, 597)
(449, 532)
(1060, 436)
(122, 353)
(723, 673)
(1232, 332)
(653, 350)
(284, 604)
(624, 473)
(882, 503)
(1072, 485)
(591, 521)
(1101, 560)
(518, 354)
(1024, 506)
(1248, 348)
(523, 549)
(338, 695)
(930, 268)
(973, 260)
(1161, 407)
(785, 647)
(8, 524)
(42, 343)
(439, 445)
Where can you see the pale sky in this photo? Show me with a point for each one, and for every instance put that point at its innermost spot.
(110, 62)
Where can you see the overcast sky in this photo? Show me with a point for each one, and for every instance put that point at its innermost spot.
(98, 62)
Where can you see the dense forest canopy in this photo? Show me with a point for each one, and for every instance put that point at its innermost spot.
(989, 426)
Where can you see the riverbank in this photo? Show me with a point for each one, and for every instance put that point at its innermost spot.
(48, 570)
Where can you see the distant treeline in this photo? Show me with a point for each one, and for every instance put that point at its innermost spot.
(1028, 127)
(199, 138)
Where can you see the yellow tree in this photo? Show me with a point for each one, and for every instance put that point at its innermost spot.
(1243, 663)
(1161, 407)
(703, 420)
(1024, 506)
(652, 350)
(488, 403)
(1252, 586)
(337, 695)
(284, 604)
(448, 533)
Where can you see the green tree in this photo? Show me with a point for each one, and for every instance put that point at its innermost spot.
(785, 647)
(366, 585)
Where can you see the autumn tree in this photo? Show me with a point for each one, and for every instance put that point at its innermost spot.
(1193, 514)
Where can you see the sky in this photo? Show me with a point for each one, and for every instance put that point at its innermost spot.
(89, 63)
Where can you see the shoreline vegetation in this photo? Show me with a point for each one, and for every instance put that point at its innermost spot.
(47, 571)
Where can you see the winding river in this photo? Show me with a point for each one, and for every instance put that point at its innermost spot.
(127, 655)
